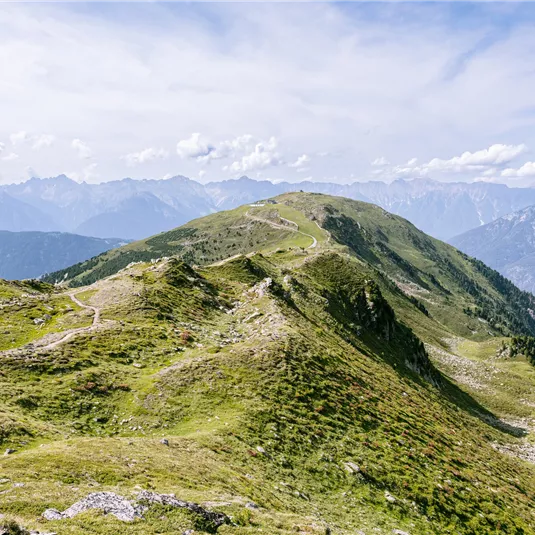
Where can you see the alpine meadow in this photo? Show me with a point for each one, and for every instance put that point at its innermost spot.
(267, 267)
(304, 364)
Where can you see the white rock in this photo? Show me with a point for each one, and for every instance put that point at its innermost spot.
(390, 498)
(351, 467)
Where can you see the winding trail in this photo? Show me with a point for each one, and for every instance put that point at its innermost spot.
(96, 310)
(285, 227)
(69, 335)
(66, 335)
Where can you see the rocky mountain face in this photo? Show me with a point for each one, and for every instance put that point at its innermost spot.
(317, 365)
(507, 245)
(136, 209)
(133, 208)
(25, 255)
(16, 215)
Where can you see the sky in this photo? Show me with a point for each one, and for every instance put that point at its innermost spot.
(336, 92)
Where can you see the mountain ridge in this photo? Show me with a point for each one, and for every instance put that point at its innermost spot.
(441, 209)
(31, 254)
(318, 366)
(364, 230)
(507, 245)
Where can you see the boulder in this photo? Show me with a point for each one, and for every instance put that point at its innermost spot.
(108, 502)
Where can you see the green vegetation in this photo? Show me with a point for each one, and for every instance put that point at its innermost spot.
(464, 290)
(31, 309)
(523, 345)
(324, 384)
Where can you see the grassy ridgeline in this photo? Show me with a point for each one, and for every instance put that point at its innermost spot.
(296, 379)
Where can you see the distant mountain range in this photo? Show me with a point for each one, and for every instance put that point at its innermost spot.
(25, 255)
(136, 209)
(507, 245)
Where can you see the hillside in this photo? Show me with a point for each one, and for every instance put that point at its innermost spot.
(449, 284)
(507, 245)
(25, 255)
(321, 378)
(440, 209)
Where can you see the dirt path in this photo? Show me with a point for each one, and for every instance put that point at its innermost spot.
(69, 335)
(285, 227)
(42, 344)
(96, 311)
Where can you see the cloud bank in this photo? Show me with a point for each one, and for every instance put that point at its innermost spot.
(271, 90)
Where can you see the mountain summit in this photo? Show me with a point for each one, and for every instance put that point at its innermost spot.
(301, 364)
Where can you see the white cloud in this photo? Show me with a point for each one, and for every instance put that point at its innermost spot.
(194, 147)
(495, 155)
(31, 172)
(147, 155)
(263, 156)
(19, 137)
(10, 157)
(113, 82)
(380, 162)
(43, 141)
(527, 170)
(84, 151)
(301, 162)
(230, 148)
(2, 147)
(486, 162)
(38, 141)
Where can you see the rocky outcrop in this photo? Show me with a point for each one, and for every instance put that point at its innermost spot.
(212, 518)
(108, 502)
(130, 510)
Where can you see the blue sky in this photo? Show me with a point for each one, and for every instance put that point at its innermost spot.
(283, 91)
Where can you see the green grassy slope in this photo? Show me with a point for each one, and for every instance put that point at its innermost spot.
(297, 379)
(460, 293)
(312, 367)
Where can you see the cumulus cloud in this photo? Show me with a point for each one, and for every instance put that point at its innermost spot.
(495, 155)
(43, 141)
(301, 162)
(84, 151)
(10, 157)
(147, 155)
(486, 162)
(195, 147)
(380, 162)
(2, 147)
(87, 174)
(263, 156)
(38, 141)
(31, 172)
(230, 148)
(527, 170)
